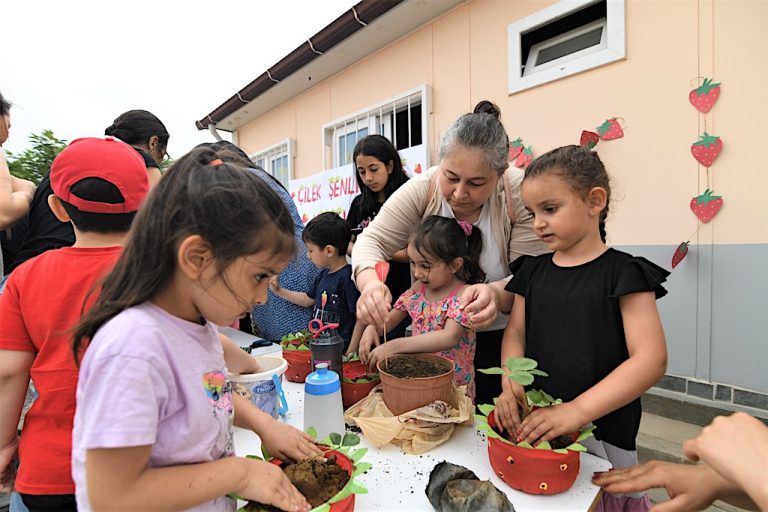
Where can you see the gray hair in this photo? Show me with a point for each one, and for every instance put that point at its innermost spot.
(481, 131)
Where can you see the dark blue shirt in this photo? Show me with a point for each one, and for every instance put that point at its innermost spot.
(342, 300)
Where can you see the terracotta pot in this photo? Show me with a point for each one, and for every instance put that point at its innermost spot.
(352, 393)
(403, 395)
(299, 364)
(348, 503)
(530, 470)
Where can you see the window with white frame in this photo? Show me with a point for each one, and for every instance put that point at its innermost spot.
(568, 37)
(402, 119)
(277, 160)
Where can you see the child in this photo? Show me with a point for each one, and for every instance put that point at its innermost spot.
(326, 238)
(444, 256)
(98, 185)
(587, 313)
(153, 426)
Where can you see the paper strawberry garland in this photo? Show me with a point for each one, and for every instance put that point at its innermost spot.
(706, 149)
(704, 96)
(680, 253)
(382, 269)
(524, 158)
(706, 206)
(515, 148)
(610, 130)
(589, 139)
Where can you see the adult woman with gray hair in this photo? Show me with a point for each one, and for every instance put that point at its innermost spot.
(472, 183)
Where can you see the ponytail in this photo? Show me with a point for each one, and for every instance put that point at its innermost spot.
(471, 272)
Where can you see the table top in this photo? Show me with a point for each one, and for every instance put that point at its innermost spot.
(397, 480)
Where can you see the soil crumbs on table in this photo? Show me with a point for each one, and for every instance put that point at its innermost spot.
(406, 367)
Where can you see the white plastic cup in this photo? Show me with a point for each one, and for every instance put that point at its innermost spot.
(259, 387)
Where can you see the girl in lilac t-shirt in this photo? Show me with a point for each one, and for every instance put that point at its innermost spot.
(155, 409)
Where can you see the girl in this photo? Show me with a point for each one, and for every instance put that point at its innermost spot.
(444, 256)
(586, 312)
(379, 174)
(153, 427)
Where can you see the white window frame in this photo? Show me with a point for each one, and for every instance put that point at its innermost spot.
(287, 148)
(611, 48)
(377, 118)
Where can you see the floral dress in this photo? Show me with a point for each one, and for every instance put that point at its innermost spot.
(431, 316)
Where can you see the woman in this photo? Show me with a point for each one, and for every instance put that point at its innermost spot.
(465, 185)
(379, 173)
(147, 134)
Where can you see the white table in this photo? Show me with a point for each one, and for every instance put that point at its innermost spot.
(397, 480)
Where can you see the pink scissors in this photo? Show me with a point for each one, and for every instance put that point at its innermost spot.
(316, 326)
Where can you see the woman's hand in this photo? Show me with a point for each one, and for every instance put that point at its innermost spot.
(287, 443)
(266, 483)
(550, 422)
(507, 406)
(368, 342)
(374, 303)
(480, 303)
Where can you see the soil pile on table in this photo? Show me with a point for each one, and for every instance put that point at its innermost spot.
(318, 481)
(405, 367)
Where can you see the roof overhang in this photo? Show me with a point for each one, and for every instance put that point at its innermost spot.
(365, 28)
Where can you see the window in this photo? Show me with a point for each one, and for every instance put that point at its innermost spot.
(401, 119)
(568, 37)
(277, 160)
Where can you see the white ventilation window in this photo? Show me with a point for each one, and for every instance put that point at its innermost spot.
(277, 160)
(568, 37)
(402, 119)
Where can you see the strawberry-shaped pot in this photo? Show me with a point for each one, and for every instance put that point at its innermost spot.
(680, 253)
(610, 130)
(706, 206)
(706, 149)
(704, 96)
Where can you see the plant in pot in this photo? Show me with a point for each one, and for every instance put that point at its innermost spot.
(410, 381)
(329, 485)
(548, 467)
(357, 381)
(295, 347)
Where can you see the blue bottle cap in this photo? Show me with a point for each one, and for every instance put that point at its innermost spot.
(322, 381)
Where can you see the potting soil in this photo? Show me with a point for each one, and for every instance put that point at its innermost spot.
(406, 367)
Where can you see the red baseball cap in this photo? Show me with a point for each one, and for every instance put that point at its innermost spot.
(108, 159)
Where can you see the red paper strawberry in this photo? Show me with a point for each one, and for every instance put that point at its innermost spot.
(706, 149)
(305, 218)
(610, 130)
(680, 253)
(589, 139)
(515, 148)
(382, 269)
(417, 169)
(706, 206)
(524, 158)
(704, 96)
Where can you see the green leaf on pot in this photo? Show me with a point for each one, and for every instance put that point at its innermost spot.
(303, 348)
(289, 347)
(494, 400)
(358, 454)
(486, 409)
(265, 453)
(482, 420)
(491, 371)
(576, 447)
(562, 451)
(356, 487)
(544, 445)
(312, 432)
(325, 507)
(350, 439)
(335, 438)
(255, 457)
(524, 444)
(492, 433)
(585, 433)
(361, 468)
(235, 496)
(520, 363)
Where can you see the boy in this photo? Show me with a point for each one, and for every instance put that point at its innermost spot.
(98, 186)
(327, 238)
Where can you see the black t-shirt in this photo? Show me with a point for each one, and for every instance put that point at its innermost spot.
(574, 328)
(341, 300)
(399, 277)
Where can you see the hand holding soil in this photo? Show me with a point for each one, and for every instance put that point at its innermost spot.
(368, 341)
(507, 407)
(287, 443)
(550, 422)
(383, 352)
(266, 483)
(479, 301)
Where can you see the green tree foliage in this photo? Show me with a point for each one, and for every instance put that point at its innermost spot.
(35, 161)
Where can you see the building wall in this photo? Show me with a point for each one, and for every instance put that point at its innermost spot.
(716, 315)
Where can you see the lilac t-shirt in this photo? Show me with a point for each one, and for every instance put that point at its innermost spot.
(151, 378)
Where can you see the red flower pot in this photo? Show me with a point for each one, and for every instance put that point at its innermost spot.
(530, 470)
(299, 364)
(348, 503)
(351, 392)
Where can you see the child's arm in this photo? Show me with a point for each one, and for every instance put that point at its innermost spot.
(646, 365)
(14, 379)
(434, 341)
(120, 478)
(298, 298)
(357, 333)
(370, 336)
(236, 359)
(512, 345)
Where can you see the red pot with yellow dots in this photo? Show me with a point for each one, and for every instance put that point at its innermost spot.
(532, 470)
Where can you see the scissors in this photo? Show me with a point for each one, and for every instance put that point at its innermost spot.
(316, 326)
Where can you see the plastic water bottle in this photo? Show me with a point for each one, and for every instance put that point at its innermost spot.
(323, 408)
(327, 347)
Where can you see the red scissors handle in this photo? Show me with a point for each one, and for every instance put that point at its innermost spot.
(316, 326)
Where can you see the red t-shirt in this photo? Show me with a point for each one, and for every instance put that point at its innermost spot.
(42, 303)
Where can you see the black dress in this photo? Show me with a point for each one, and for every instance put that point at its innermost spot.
(574, 328)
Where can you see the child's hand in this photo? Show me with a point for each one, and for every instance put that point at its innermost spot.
(7, 454)
(508, 406)
(382, 352)
(368, 341)
(287, 443)
(547, 423)
(266, 483)
(274, 283)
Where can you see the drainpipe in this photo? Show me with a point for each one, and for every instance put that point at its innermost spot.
(212, 129)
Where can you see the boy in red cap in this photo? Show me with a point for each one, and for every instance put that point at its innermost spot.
(98, 185)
